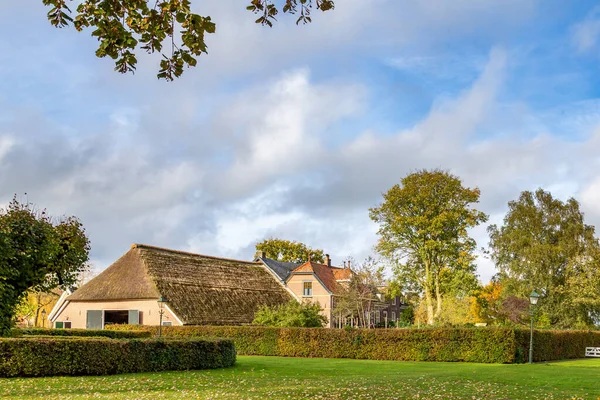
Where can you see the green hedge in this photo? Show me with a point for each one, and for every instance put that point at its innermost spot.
(485, 345)
(39, 356)
(128, 334)
(551, 345)
(470, 345)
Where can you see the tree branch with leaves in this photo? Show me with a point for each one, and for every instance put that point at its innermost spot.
(168, 27)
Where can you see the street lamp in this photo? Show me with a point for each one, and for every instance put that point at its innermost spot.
(533, 300)
(43, 318)
(161, 312)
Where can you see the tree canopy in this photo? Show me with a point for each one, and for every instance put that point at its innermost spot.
(36, 253)
(544, 244)
(358, 297)
(289, 251)
(168, 27)
(291, 314)
(423, 229)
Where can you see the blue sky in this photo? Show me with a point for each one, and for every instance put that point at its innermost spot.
(295, 132)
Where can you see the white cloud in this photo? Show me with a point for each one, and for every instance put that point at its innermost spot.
(6, 144)
(585, 33)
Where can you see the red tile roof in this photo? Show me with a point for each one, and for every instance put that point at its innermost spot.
(327, 275)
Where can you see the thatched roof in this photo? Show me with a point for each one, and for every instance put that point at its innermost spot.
(201, 290)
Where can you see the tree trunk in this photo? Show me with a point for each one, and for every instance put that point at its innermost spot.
(438, 297)
(428, 300)
(429, 304)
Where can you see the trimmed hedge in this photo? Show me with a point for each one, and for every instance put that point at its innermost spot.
(470, 345)
(25, 357)
(484, 345)
(551, 345)
(128, 334)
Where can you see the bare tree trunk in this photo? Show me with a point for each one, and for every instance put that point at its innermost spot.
(438, 297)
(428, 299)
(429, 304)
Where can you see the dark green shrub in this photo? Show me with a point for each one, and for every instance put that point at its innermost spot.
(486, 345)
(291, 314)
(475, 344)
(43, 356)
(551, 345)
(129, 334)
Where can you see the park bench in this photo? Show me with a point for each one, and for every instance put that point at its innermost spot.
(592, 351)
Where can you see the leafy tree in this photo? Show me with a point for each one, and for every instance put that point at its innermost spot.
(515, 310)
(31, 306)
(291, 314)
(289, 251)
(168, 27)
(36, 253)
(487, 303)
(423, 228)
(359, 297)
(456, 312)
(544, 244)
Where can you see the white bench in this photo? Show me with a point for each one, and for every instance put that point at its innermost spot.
(592, 351)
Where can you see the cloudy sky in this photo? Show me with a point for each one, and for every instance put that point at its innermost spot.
(294, 132)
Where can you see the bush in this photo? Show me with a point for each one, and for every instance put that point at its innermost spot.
(291, 314)
(471, 345)
(39, 356)
(551, 345)
(477, 344)
(80, 333)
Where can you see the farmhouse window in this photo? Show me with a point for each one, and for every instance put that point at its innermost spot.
(377, 317)
(307, 292)
(393, 315)
(385, 315)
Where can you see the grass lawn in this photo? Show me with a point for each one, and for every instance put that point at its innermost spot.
(297, 378)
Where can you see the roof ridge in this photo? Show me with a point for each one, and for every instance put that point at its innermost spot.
(188, 253)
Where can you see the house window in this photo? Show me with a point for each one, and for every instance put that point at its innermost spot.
(385, 315)
(67, 324)
(377, 317)
(62, 324)
(167, 323)
(393, 315)
(307, 292)
(394, 301)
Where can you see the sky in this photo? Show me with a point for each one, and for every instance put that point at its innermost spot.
(296, 131)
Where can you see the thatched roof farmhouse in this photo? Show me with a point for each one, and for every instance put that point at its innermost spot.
(199, 289)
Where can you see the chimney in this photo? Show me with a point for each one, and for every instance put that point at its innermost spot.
(260, 254)
(348, 264)
(327, 260)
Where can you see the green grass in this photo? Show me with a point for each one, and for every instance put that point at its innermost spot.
(295, 378)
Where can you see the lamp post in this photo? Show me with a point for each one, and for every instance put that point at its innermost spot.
(533, 299)
(43, 318)
(161, 312)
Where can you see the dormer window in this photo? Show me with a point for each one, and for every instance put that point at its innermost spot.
(307, 289)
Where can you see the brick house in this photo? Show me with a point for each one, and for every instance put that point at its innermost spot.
(320, 283)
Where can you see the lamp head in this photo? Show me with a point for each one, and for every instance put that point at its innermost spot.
(533, 298)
